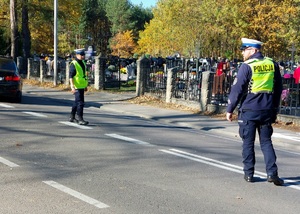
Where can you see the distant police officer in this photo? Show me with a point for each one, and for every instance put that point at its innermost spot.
(78, 82)
(258, 88)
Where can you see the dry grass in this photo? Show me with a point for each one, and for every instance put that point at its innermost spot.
(152, 101)
(287, 126)
(61, 87)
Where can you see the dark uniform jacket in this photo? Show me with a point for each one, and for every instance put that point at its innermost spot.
(251, 101)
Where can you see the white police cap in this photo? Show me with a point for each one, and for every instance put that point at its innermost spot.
(250, 43)
(80, 51)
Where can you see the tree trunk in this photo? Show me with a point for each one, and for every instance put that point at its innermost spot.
(13, 28)
(26, 38)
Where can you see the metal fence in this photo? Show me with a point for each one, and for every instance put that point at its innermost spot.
(156, 81)
(46, 68)
(290, 97)
(117, 71)
(187, 80)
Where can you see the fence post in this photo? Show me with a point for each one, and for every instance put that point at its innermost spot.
(102, 72)
(20, 64)
(102, 68)
(29, 67)
(204, 90)
(100, 62)
(169, 86)
(97, 73)
(143, 67)
(41, 71)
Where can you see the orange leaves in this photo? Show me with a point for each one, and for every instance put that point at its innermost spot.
(122, 44)
(214, 27)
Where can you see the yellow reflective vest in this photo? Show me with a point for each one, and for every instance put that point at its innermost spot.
(262, 80)
(80, 79)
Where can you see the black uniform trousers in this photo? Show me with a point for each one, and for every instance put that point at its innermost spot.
(250, 121)
(78, 104)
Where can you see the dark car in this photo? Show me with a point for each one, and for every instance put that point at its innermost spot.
(10, 80)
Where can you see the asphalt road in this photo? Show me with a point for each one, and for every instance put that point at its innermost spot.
(124, 164)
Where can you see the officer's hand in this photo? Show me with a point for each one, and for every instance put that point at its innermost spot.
(85, 89)
(229, 116)
(73, 90)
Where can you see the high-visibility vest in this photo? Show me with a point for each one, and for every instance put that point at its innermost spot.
(80, 79)
(262, 80)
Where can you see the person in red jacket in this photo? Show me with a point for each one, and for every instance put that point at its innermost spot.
(296, 74)
(220, 67)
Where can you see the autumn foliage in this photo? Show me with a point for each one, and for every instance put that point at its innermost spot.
(189, 27)
(122, 44)
(215, 27)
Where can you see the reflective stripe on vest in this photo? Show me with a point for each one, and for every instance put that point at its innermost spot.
(262, 75)
(80, 79)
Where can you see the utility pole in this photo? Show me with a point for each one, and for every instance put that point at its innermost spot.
(55, 43)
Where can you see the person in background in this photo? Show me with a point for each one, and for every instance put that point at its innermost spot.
(296, 77)
(296, 74)
(257, 88)
(221, 67)
(79, 83)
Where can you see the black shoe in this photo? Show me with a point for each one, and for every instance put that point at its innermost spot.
(82, 122)
(72, 118)
(275, 179)
(249, 178)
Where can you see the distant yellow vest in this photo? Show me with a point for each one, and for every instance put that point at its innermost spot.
(262, 75)
(80, 79)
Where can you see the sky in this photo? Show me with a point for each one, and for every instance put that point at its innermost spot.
(146, 3)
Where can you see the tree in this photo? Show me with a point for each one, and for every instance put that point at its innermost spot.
(119, 15)
(13, 29)
(122, 44)
(215, 27)
(140, 16)
(26, 38)
(41, 25)
(190, 27)
(96, 24)
(4, 27)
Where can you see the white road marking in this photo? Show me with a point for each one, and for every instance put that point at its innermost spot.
(76, 194)
(289, 152)
(204, 160)
(278, 135)
(128, 139)
(8, 163)
(223, 165)
(92, 107)
(34, 114)
(75, 125)
(6, 106)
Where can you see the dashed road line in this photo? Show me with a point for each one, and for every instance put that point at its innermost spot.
(35, 114)
(128, 139)
(76, 194)
(6, 106)
(223, 165)
(285, 136)
(8, 163)
(75, 125)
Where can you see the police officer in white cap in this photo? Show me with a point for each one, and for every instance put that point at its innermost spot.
(258, 89)
(79, 83)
